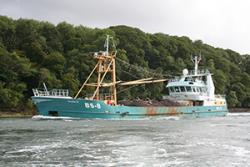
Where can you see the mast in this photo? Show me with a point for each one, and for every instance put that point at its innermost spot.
(196, 60)
(106, 45)
(114, 93)
(112, 69)
(105, 66)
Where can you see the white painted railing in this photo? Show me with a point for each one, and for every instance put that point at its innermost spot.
(192, 72)
(53, 92)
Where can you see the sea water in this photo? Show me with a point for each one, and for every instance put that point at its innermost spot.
(153, 142)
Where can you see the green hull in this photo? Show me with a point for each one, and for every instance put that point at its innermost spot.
(81, 108)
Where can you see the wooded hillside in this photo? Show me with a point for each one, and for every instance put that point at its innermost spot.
(33, 52)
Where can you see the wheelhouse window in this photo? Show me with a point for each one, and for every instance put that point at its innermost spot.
(193, 88)
(176, 88)
(189, 79)
(182, 89)
(204, 89)
(188, 88)
(171, 89)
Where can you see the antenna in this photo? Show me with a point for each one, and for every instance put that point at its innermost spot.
(196, 60)
(106, 45)
(199, 59)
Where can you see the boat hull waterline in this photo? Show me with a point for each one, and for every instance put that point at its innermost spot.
(82, 108)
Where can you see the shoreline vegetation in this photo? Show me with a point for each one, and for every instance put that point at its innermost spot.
(29, 114)
(16, 114)
(239, 110)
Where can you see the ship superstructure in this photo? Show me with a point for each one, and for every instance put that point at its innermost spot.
(194, 88)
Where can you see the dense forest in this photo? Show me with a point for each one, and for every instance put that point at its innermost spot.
(33, 52)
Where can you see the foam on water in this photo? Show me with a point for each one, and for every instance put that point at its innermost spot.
(153, 142)
(238, 114)
(41, 117)
(174, 118)
(238, 151)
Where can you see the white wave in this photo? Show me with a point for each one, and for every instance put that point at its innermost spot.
(8, 155)
(128, 119)
(161, 153)
(175, 118)
(118, 151)
(68, 120)
(85, 155)
(238, 114)
(36, 148)
(19, 151)
(145, 118)
(179, 154)
(41, 117)
(174, 162)
(238, 151)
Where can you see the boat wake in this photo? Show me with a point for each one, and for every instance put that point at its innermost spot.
(41, 117)
(239, 114)
(174, 118)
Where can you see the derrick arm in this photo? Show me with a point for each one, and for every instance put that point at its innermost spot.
(86, 81)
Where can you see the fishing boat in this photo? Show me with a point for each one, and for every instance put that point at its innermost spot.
(193, 92)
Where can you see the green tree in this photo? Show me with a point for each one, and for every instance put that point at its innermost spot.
(69, 81)
(55, 62)
(232, 99)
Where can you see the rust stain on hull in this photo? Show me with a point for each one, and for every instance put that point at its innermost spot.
(151, 111)
(172, 111)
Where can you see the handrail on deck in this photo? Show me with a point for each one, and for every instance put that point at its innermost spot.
(53, 92)
(202, 71)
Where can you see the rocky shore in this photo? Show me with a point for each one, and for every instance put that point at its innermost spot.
(237, 110)
(17, 114)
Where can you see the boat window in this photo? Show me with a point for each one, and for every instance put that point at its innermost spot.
(194, 90)
(188, 88)
(200, 90)
(204, 78)
(189, 79)
(204, 89)
(171, 89)
(177, 89)
(182, 89)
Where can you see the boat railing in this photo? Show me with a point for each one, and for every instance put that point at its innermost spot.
(53, 92)
(202, 71)
(175, 79)
(220, 96)
(102, 96)
(190, 73)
